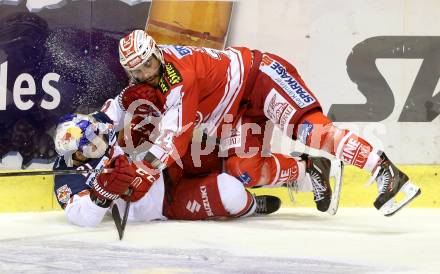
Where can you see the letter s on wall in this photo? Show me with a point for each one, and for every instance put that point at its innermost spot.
(420, 105)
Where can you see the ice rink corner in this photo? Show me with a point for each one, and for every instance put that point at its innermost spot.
(290, 241)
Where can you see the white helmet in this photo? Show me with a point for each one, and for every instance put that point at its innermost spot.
(136, 48)
(78, 132)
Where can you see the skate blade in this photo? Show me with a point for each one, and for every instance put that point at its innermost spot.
(336, 172)
(409, 190)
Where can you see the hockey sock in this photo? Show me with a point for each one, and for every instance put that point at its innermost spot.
(274, 170)
(317, 131)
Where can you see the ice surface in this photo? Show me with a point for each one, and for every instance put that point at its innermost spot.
(290, 241)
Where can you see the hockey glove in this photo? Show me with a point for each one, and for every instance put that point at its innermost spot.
(110, 186)
(146, 176)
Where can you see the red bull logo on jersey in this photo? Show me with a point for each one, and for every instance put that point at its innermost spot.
(287, 82)
(63, 194)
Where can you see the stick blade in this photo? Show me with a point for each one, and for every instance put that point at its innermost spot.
(118, 222)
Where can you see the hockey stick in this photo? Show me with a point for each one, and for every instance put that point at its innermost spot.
(53, 172)
(120, 224)
(124, 220)
(117, 219)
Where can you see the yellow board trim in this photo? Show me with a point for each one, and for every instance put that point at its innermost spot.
(355, 194)
(27, 193)
(35, 193)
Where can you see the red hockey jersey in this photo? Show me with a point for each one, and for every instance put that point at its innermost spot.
(198, 86)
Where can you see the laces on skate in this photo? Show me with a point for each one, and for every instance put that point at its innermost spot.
(335, 172)
(292, 189)
(390, 182)
(266, 204)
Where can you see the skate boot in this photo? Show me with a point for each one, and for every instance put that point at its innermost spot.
(319, 170)
(267, 204)
(390, 181)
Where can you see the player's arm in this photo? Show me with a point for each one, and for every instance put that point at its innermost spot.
(134, 100)
(114, 112)
(115, 108)
(86, 206)
(82, 211)
(73, 195)
(176, 126)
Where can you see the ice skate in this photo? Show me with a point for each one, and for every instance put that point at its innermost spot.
(267, 204)
(390, 181)
(318, 169)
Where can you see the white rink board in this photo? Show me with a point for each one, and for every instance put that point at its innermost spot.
(289, 241)
(317, 36)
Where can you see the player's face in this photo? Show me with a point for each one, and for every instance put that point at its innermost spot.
(92, 150)
(79, 158)
(148, 72)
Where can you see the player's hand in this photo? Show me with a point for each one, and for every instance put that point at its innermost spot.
(110, 186)
(146, 176)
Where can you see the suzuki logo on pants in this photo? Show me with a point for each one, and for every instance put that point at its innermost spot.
(193, 206)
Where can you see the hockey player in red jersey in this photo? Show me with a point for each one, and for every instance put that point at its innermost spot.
(84, 141)
(311, 174)
(221, 91)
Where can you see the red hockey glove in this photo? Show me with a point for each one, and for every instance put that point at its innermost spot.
(146, 176)
(110, 186)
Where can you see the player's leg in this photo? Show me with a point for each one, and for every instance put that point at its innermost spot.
(286, 100)
(273, 169)
(235, 198)
(317, 131)
(215, 196)
(310, 174)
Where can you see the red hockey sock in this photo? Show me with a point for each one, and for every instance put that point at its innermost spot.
(265, 171)
(317, 131)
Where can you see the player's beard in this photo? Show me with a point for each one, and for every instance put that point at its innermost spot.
(153, 81)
